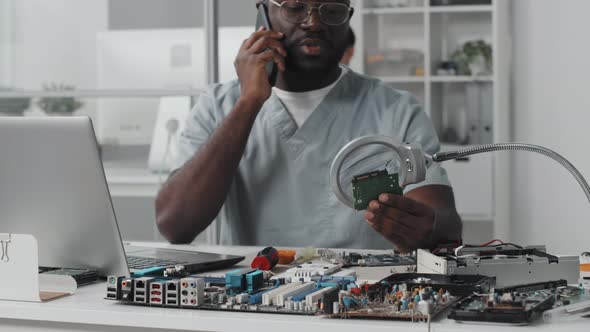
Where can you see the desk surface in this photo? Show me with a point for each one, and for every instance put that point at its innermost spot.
(87, 310)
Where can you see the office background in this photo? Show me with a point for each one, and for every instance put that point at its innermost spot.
(56, 40)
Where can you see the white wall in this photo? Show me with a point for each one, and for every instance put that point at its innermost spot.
(551, 108)
(5, 42)
(55, 40)
(174, 14)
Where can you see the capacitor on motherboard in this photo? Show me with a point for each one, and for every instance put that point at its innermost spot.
(417, 298)
(405, 303)
(335, 307)
(221, 298)
(446, 297)
(265, 259)
(425, 307)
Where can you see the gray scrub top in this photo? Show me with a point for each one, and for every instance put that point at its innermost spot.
(281, 194)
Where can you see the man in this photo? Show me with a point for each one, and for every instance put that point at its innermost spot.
(259, 156)
(349, 52)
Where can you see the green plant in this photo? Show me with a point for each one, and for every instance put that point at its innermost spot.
(59, 104)
(469, 54)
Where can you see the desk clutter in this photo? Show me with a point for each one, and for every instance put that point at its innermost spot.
(81, 276)
(327, 285)
(23, 280)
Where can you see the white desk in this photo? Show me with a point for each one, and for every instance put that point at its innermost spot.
(88, 311)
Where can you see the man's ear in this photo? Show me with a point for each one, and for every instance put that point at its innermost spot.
(351, 12)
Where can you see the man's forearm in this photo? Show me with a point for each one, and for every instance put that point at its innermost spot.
(192, 198)
(448, 227)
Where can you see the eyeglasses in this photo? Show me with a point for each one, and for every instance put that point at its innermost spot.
(297, 12)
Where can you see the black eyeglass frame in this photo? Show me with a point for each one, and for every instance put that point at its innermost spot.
(318, 6)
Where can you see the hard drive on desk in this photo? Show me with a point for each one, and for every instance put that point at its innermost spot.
(510, 264)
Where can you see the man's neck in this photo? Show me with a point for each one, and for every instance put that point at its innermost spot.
(299, 81)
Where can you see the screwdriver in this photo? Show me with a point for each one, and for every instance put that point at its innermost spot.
(266, 259)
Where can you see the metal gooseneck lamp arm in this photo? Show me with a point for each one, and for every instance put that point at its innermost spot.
(414, 162)
(444, 156)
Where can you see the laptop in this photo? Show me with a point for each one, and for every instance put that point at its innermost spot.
(53, 186)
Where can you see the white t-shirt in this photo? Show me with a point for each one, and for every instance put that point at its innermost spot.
(301, 104)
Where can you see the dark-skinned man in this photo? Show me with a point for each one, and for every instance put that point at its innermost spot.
(258, 157)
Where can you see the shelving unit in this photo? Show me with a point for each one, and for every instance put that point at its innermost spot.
(401, 10)
(466, 110)
(461, 9)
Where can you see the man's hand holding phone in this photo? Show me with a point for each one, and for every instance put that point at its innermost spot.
(261, 47)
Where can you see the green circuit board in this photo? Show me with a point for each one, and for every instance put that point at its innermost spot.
(367, 187)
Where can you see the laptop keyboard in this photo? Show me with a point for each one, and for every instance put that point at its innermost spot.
(140, 263)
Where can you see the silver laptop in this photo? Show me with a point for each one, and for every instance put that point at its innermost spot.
(52, 185)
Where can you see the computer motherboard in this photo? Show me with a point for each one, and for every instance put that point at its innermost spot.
(308, 289)
(326, 288)
(244, 289)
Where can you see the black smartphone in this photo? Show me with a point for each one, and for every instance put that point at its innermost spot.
(262, 20)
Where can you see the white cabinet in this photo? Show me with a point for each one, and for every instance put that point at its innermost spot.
(405, 43)
(472, 179)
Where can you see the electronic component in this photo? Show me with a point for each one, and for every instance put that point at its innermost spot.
(572, 303)
(381, 263)
(157, 292)
(114, 287)
(256, 298)
(384, 300)
(81, 276)
(248, 290)
(172, 293)
(458, 285)
(127, 290)
(513, 305)
(242, 280)
(328, 299)
(309, 270)
(409, 296)
(254, 280)
(367, 187)
(413, 163)
(272, 296)
(192, 291)
(370, 260)
(294, 292)
(510, 264)
(140, 289)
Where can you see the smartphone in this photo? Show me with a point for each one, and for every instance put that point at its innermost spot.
(262, 20)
